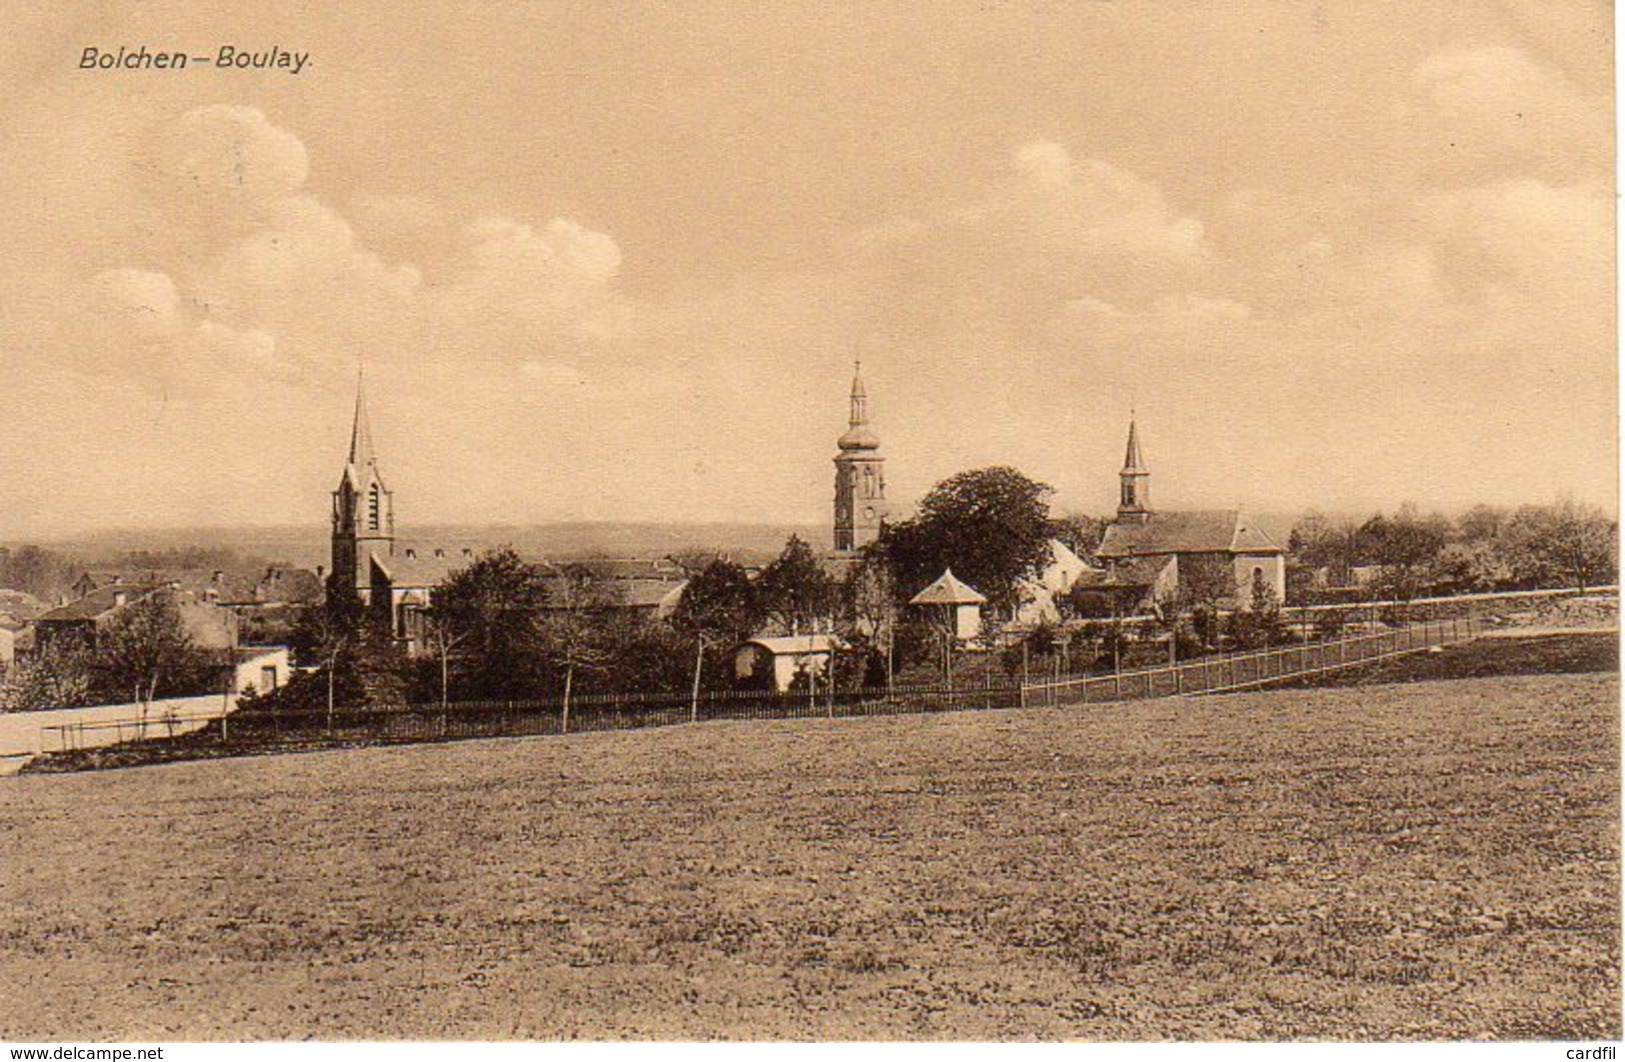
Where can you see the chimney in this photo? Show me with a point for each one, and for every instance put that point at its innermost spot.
(120, 599)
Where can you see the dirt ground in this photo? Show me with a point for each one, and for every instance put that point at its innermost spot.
(1427, 860)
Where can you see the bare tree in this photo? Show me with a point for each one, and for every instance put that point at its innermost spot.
(570, 632)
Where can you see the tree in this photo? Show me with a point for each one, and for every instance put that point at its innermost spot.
(492, 609)
(1406, 545)
(795, 593)
(1079, 533)
(990, 525)
(1260, 623)
(569, 637)
(719, 607)
(872, 608)
(144, 645)
(1566, 542)
(1320, 542)
(43, 573)
(57, 679)
(325, 637)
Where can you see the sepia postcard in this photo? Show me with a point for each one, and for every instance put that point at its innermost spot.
(776, 520)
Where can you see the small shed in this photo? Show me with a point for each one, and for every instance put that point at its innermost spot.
(772, 663)
(956, 606)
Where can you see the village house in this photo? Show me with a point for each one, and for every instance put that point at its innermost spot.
(82, 623)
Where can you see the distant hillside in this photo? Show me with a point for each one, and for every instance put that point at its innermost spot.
(308, 545)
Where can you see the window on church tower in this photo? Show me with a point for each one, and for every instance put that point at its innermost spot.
(372, 508)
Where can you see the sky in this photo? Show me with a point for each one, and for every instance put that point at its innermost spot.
(613, 261)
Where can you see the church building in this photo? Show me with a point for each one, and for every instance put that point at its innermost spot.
(396, 580)
(1150, 554)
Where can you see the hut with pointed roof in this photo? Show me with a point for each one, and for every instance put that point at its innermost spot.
(954, 605)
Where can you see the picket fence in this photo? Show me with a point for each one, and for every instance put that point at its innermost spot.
(465, 719)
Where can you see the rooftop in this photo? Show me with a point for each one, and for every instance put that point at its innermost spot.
(1221, 531)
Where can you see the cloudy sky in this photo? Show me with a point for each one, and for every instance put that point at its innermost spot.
(613, 261)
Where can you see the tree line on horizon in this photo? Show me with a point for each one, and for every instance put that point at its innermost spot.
(1408, 553)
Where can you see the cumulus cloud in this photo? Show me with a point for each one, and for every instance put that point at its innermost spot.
(1100, 206)
(262, 272)
(231, 152)
(531, 287)
(1498, 109)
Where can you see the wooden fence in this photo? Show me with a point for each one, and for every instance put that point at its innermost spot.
(598, 712)
(1249, 670)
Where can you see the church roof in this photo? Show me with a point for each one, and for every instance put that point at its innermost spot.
(948, 590)
(1222, 531)
(420, 567)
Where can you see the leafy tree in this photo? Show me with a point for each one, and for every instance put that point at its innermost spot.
(990, 525)
(1320, 542)
(1406, 545)
(719, 609)
(144, 647)
(1260, 623)
(719, 605)
(331, 638)
(57, 679)
(1481, 523)
(1565, 543)
(492, 609)
(795, 593)
(1079, 533)
(643, 654)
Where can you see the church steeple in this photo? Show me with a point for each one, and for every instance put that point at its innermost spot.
(860, 396)
(361, 449)
(860, 475)
(363, 507)
(1135, 499)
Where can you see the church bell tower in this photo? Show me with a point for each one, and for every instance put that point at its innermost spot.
(860, 477)
(1134, 500)
(363, 508)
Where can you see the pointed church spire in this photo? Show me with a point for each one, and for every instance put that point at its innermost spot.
(361, 449)
(1132, 461)
(1134, 499)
